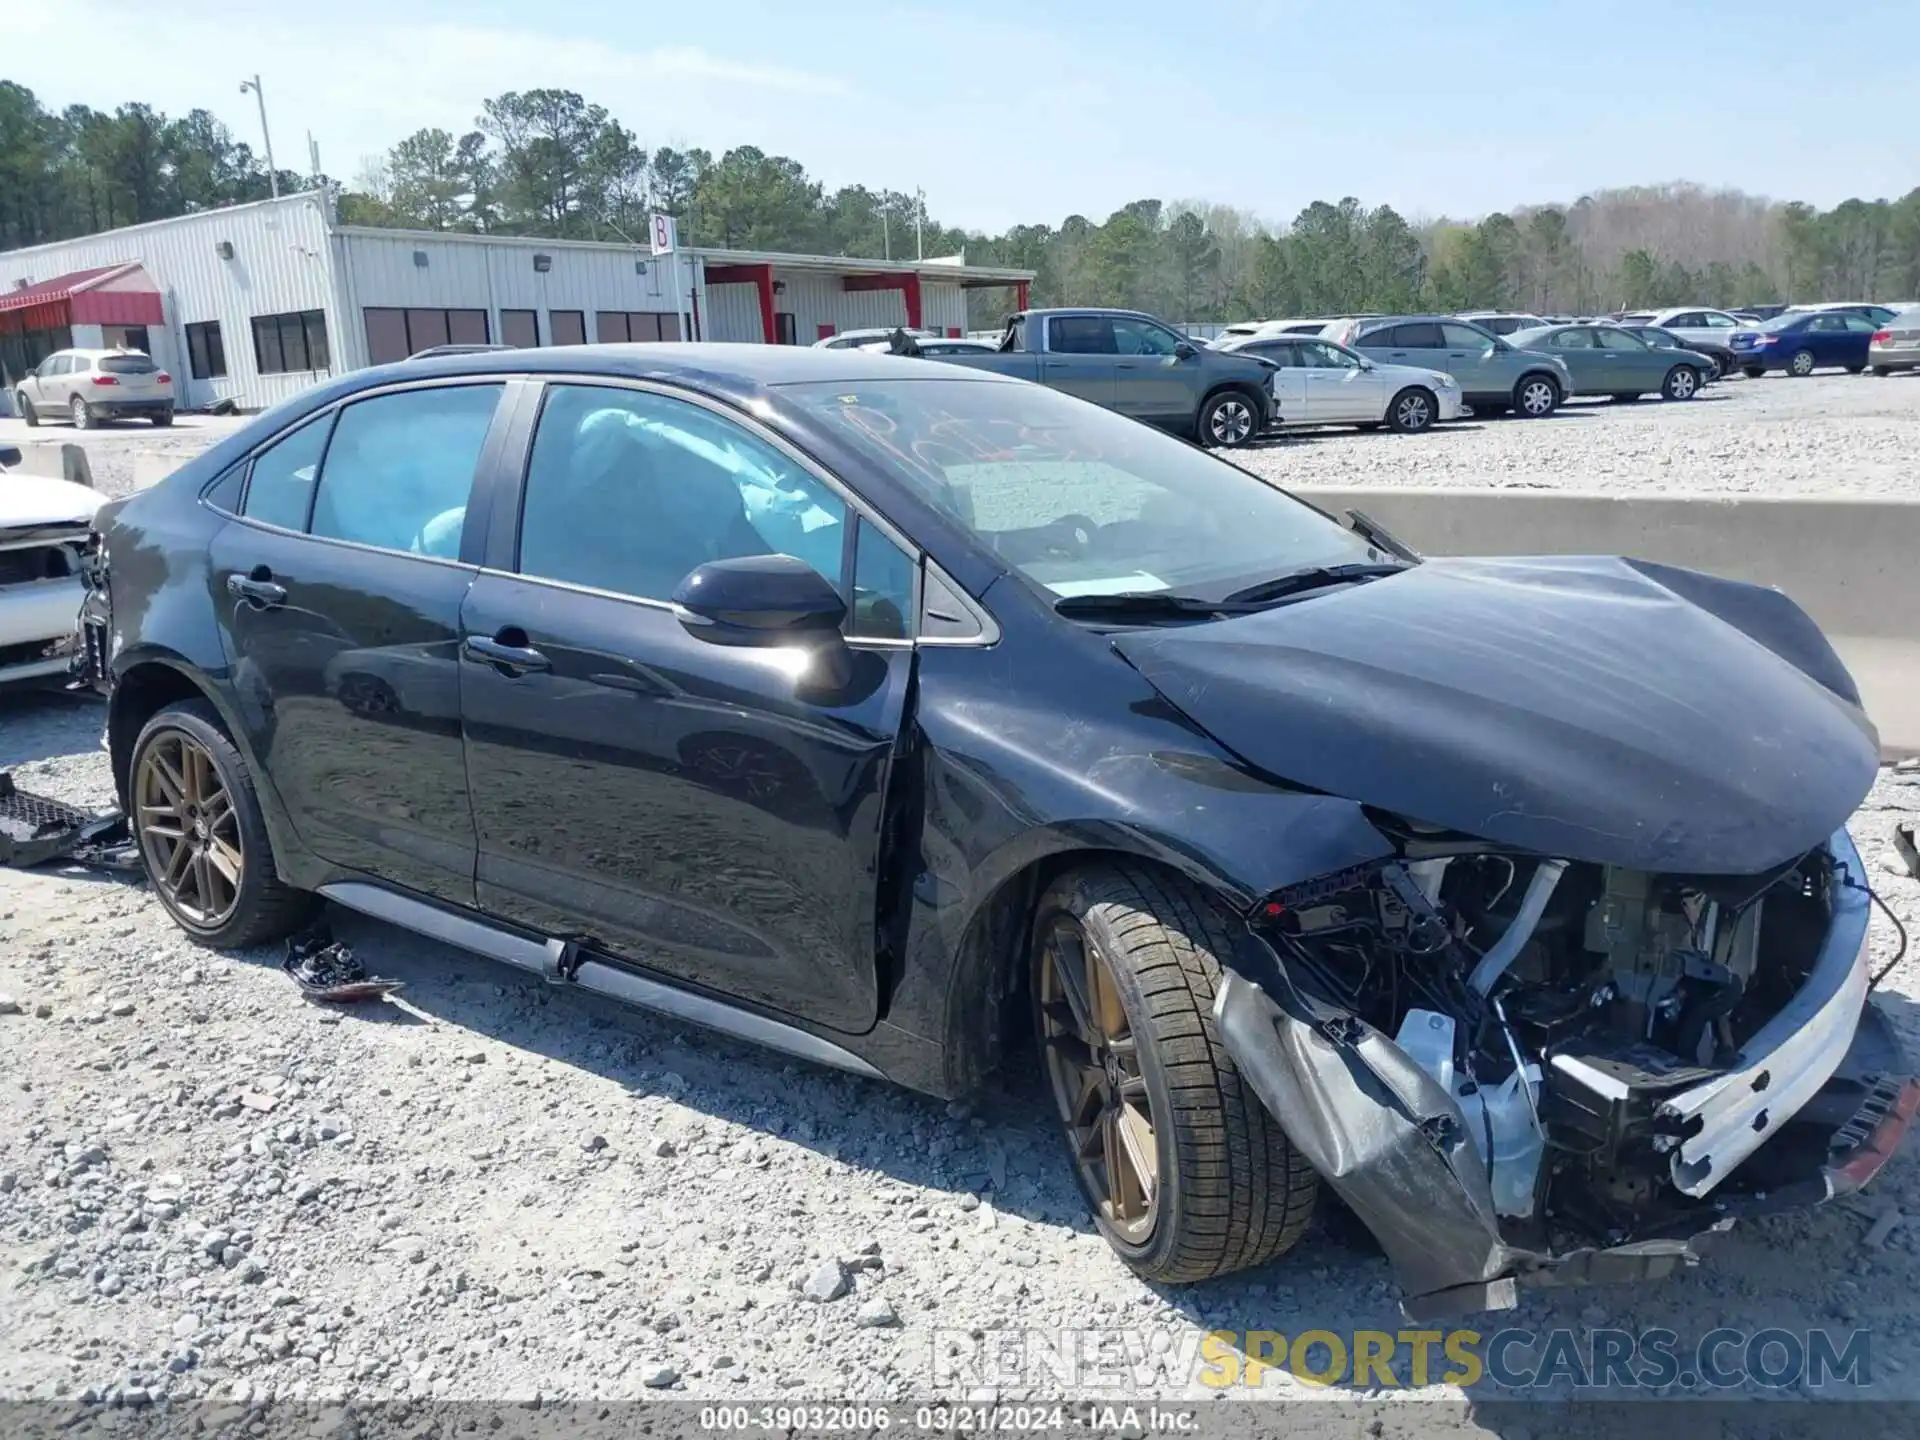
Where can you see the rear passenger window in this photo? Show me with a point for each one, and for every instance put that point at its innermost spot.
(1080, 335)
(400, 468)
(280, 486)
(1464, 337)
(1422, 335)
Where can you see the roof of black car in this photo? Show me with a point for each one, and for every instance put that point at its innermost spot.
(725, 368)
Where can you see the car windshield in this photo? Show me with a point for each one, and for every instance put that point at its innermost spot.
(1077, 499)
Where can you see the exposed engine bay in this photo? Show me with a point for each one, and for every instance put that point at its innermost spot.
(1561, 1005)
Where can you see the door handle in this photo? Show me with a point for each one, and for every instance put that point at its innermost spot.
(517, 659)
(257, 589)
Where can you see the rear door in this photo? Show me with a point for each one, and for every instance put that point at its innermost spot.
(1859, 338)
(340, 584)
(703, 812)
(1080, 357)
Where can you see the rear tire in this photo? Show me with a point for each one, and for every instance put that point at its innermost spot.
(1855, 369)
(1883, 370)
(1228, 1190)
(1228, 420)
(1536, 396)
(216, 909)
(1801, 365)
(1682, 383)
(1414, 409)
(81, 416)
(27, 412)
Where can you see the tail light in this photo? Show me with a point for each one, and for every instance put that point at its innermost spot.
(1883, 337)
(163, 378)
(105, 380)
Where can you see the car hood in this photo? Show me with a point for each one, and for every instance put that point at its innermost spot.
(40, 500)
(1590, 708)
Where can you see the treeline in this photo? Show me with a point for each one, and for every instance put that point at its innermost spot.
(550, 162)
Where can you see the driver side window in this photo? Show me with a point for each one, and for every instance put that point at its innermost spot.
(1138, 337)
(1324, 357)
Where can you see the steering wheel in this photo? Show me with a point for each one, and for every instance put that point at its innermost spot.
(1075, 533)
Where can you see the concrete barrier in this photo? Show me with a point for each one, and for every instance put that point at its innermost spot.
(150, 466)
(1852, 563)
(56, 459)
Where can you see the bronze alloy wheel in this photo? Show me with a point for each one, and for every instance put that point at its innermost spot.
(189, 829)
(1093, 1067)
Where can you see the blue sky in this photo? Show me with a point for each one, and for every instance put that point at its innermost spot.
(1007, 111)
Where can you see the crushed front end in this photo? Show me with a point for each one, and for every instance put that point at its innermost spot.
(1523, 1071)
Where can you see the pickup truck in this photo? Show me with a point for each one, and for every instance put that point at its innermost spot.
(1139, 366)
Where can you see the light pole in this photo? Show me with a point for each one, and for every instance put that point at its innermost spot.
(273, 174)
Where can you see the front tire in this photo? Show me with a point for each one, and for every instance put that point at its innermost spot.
(202, 837)
(1413, 410)
(25, 407)
(1883, 370)
(1682, 383)
(81, 416)
(1228, 421)
(1753, 372)
(1187, 1174)
(1536, 396)
(1801, 365)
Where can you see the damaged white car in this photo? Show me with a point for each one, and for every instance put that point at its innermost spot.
(45, 536)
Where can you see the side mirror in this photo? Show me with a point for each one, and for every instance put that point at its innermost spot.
(9, 455)
(1500, 347)
(760, 600)
(1184, 351)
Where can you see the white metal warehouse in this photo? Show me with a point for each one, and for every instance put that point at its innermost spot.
(254, 303)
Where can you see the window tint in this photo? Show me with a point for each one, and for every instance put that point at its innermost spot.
(1612, 339)
(1691, 320)
(1282, 352)
(1138, 337)
(297, 341)
(206, 352)
(400, 467)
(1318, 355)
(1860, 324)
(1385, 338)
(629, 492)
(883, 576)
(1573, 340)
(1464, 337)
(1657, 338)
(280, 487)
(520, 328)
(1828, 322)
(1717, 321)
(1080, 335)
(1422, 335)
(128, 365)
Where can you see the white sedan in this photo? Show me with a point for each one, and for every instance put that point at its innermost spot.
(1320, 382)
(45, 529)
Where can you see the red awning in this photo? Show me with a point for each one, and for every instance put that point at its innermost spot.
(106, 295)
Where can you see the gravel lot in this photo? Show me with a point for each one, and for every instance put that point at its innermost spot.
(1829, 435)
(490, 1190)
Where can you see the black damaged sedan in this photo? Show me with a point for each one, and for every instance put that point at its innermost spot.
(896, 716)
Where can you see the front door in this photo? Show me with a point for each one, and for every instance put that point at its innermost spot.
(709, 813)
(340, 587)
(1584, 359)
(1290, 397)
(1152, 380)
(1469, 358)
(1080, 357)
(45, 388)
(1337, 388)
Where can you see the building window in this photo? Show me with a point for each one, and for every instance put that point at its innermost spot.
(206, 352)
(286, 344)
(568, 327)
(395, 334)
(520, 328)
(618, 327)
